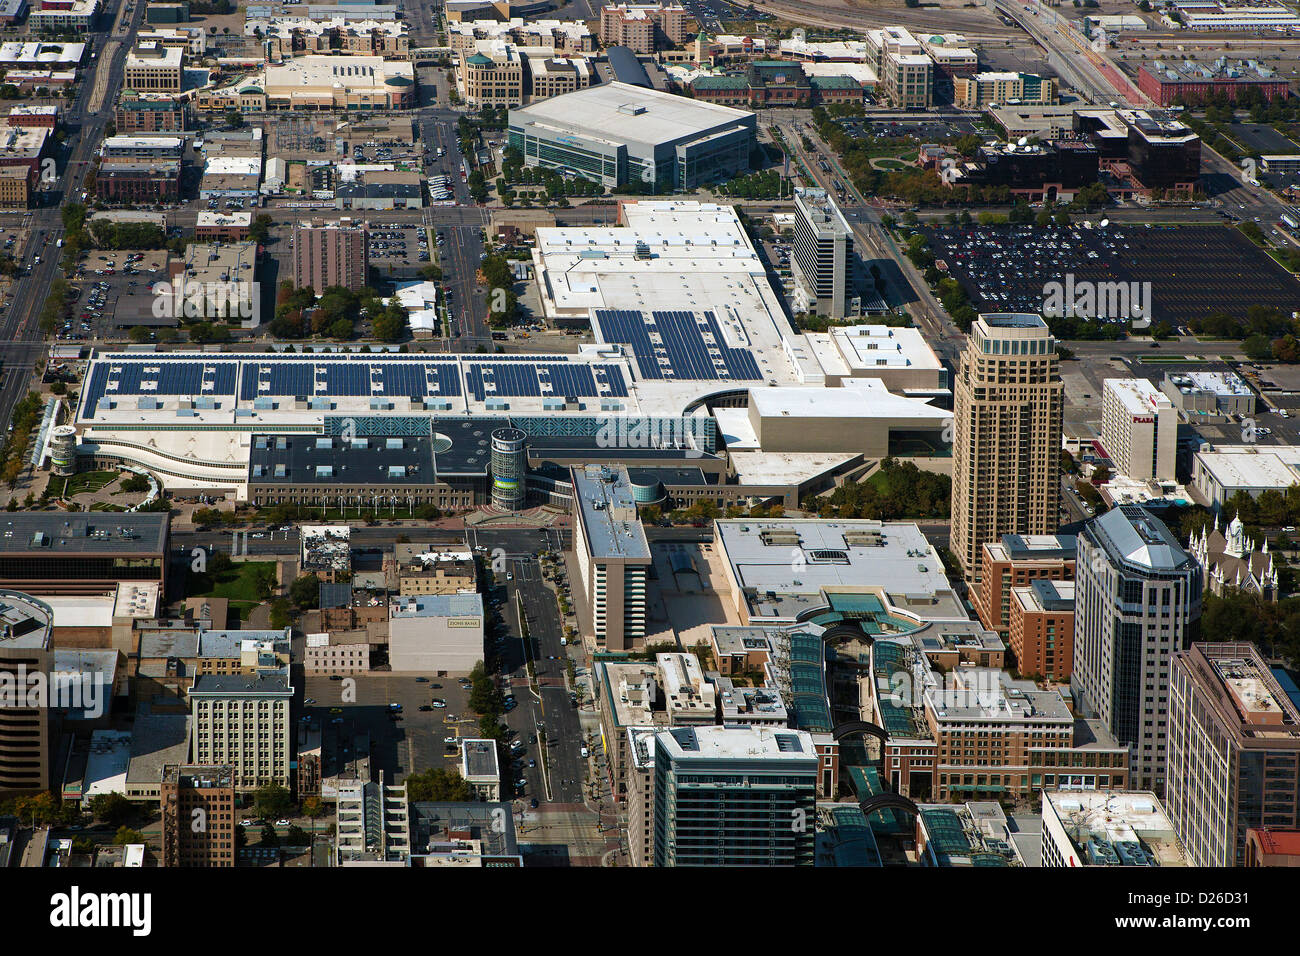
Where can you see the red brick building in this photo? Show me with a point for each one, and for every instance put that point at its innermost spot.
(1168, 83)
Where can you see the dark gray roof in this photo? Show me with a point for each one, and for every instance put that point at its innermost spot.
(492, 823)
(48, 532)
(462, 446)
(241, 684)
(627, 68)
(335, 595)
(364, 190)
(319, 459)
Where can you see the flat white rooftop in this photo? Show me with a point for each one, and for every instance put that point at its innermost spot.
(1252, 466)
(622, 111)
(1137, 395)
(737, 743)
(805, 555)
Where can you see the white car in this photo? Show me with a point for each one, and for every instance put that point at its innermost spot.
(282, 823)
(245, 823)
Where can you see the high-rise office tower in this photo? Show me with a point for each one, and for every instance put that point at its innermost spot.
(823, 244)
(734, 796)
(26, 655)
(1007, 435)
(1137, 602)
(1234, 752)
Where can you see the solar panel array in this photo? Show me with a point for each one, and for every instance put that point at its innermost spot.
(310, 377)
(507, 379)
(350, 379)
(153, 377)
(677, 345)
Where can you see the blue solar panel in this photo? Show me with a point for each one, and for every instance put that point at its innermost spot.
(350, 379)
(154, 377)
(677, 345)
(532, 378)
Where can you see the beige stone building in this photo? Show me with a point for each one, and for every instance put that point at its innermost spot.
(905, 70)
(154, 68)
(426, 569)
(1008, 403)
(243, 722)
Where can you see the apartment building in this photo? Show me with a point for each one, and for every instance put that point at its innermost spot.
(637, 695)
(1139, 429)
(612, 555)
(154, 68)
(133, 116)
(243, 722)
(1042, 628)
(984, 90)
(1137, 604)
(291, 36)
(372, 824)
(1008, 403)
(905, 70)
(1234, 752)
(1018, 560)
(330, 253)
(198, 816)
(559, 37)
(823, 253)
(642, 28)
(727, 796)
(995, 736)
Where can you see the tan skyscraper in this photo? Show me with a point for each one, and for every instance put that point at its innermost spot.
(1007, 435)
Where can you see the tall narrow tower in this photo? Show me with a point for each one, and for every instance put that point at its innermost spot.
(1007, 435)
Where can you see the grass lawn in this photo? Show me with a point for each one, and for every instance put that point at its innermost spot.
(88, 481)
(238, 583)
(1171, 360)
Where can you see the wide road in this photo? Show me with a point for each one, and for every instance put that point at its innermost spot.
(22, 341)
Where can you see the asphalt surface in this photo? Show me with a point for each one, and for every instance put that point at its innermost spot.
(22, 342)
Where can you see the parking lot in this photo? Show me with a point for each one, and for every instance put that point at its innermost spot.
(103, 279)
(1194, 271)
(394, 244)
(398, 747)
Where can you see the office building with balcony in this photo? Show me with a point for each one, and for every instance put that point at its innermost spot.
(734, 796)
(823, 253)
(1137, 604)
(612, 555)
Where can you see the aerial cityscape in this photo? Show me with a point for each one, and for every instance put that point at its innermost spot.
(695, 433)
